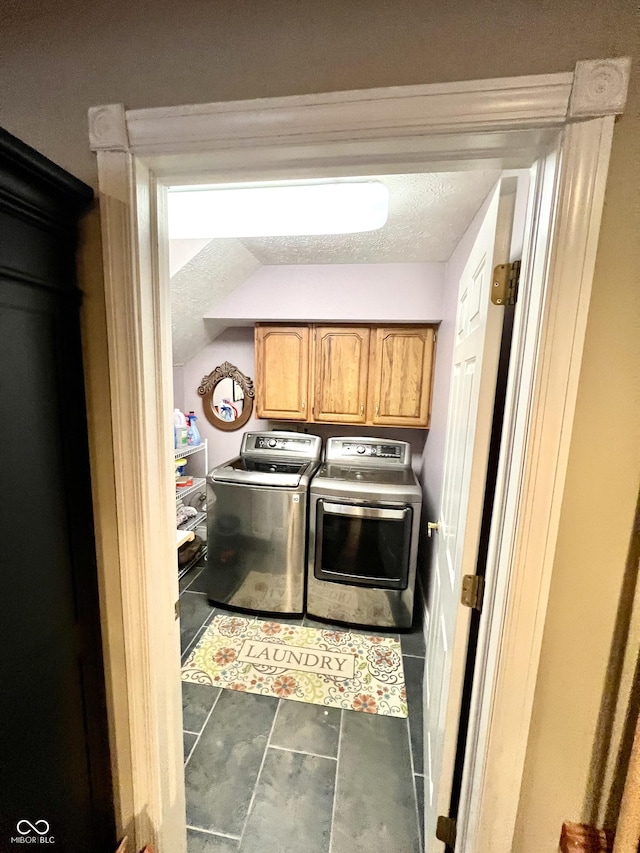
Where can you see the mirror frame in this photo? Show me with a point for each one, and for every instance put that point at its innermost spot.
(208, 386)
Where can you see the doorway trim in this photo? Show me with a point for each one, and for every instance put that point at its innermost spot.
(486, 123)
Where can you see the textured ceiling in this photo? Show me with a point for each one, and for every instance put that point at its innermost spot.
(428, 214)
(213, 273)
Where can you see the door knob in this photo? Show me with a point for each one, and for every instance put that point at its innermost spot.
(432, 526)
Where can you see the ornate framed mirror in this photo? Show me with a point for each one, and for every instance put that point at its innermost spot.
(227, 397)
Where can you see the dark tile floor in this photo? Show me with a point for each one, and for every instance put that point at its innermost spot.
(266, 775)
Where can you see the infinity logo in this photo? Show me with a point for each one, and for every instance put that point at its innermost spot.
(40, 827)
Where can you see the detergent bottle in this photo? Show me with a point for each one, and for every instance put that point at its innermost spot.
(179, 429)
(193, 435)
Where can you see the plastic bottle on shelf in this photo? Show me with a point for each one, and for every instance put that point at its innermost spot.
(179, 429)
(193, 435)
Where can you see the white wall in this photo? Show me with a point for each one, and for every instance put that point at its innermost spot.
(338, 293)
(368, 293)
(178, 387)
(235, 346)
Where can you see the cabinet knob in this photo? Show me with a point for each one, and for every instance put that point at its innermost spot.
(304, 403)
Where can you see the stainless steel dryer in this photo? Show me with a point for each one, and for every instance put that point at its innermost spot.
(257, 523)
(364, 520)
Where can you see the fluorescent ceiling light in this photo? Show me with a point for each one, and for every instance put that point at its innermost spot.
(278, 210)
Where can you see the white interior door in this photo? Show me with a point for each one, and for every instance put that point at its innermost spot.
(475, 357)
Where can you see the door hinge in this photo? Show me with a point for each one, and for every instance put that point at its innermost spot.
(504, 290)
(446, 830)
(472, 591)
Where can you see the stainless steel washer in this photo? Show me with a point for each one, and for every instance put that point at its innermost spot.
(364, 520)
(257, 523)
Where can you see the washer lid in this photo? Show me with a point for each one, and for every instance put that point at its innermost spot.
(276, 473)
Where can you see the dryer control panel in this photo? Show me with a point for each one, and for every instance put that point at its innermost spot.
(370, 450)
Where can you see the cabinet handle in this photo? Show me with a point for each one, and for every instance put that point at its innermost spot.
(304, 403)
(377, 408)
(362, 408)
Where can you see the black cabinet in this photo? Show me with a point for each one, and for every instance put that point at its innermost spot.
(54, 759)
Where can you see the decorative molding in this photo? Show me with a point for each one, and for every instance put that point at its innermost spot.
(224, 371)
(28, 211)
(476, 105)
(67, 289)
(599, 87)
(108, 128)
(39, 176)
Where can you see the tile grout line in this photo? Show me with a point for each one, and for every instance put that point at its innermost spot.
(264, 756)
(335, 784)
(302, 752)
(198, 634)
(420, 657)
(193, 580)
(215, 702)
(189, 732)
(413, 781)
(211, 832)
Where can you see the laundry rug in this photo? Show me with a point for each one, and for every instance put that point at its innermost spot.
(337, 669)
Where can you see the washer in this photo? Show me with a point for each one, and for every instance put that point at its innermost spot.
(364, 521)
(257, 508)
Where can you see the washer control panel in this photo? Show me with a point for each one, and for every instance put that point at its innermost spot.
(263, 442)
(278, 443)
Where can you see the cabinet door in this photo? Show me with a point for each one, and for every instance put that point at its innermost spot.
(341, 362)
(401, 376)
(282, 367)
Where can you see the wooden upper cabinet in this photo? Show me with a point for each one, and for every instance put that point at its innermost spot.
(282, 372)
(373, 375)
(401, 376)
(341, 362)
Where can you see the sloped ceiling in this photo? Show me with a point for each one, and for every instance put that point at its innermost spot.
(212, 274)
(428, 214)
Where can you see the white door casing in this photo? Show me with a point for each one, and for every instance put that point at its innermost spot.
(489, 123)
(478, 327)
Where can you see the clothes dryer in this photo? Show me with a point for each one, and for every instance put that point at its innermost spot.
(364, 521)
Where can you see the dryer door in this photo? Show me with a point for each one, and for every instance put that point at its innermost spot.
(363, 545)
